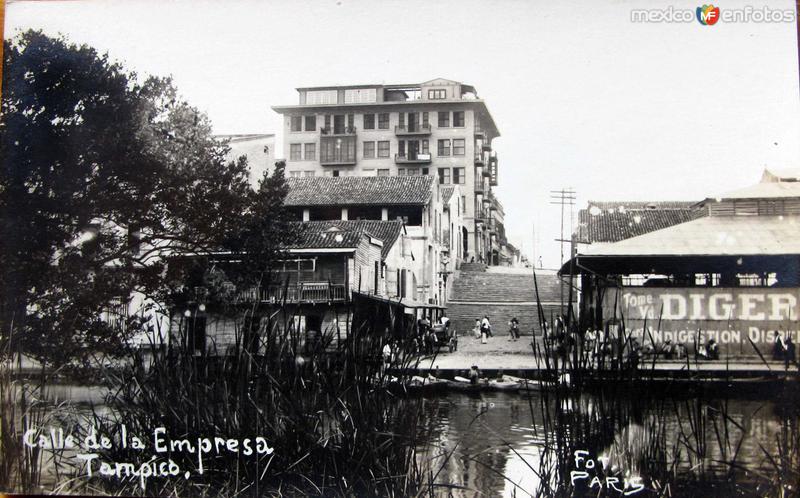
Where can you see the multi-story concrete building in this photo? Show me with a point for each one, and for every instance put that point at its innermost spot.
(259, 148)
(438, 128)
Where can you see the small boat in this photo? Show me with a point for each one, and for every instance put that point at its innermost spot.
(425, 384)
(529, 384)
(463, 384)
(503, 385)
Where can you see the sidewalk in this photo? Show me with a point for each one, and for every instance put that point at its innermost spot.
(501, 353)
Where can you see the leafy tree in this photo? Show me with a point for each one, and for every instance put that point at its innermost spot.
(104, 175)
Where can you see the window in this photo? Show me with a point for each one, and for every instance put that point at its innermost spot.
(310, 152)
(425, 122)
(383, 148)
(311, 123)
(337, 149)
(336, 173)
(369, 150)
(458, 147)
(444, 119)
(315, 97)
(369, 121)
(360, 96)
(295, 174)
(383, 172)
(437, 94)
(444, 175)
(297, 123)
(308, 174)
(294, 152)
(425, 171)
(424, 149)
(459, 176)
(401, 172)
(412, 172)
(338, 124)
(351, 120)
(458, 119)
(383, 121)
(444, 147)
(401, 148)
(295, 266)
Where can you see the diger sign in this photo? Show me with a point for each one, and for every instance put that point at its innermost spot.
(709, 304)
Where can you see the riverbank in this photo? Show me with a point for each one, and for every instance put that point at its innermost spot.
(500, 353)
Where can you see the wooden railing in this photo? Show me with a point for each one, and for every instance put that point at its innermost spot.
(306, 292)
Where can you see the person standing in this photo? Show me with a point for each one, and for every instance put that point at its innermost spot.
(474, 375)
(486, 326)
(777, 347)
(789, 356)
(513, 330)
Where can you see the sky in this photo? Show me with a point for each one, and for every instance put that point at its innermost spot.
(584, 97)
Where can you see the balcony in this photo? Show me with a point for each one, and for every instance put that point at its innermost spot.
(415, 129)
(478, 185)
(338, 131)
(487, 147)
(479, 133)
(337, 150)
(304, 292)
(479, 159)
(412, 159)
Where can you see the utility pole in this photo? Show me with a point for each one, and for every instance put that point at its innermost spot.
(563, 197)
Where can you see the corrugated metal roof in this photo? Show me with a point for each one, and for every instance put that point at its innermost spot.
(359, 190)
(712, 235)
(781, 175)
(765, 190)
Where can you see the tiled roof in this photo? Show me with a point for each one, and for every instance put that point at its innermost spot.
(447, 192)
(359, 190)
(339, 234)
(615, 221)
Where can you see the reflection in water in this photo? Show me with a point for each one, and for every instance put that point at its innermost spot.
(519, 445)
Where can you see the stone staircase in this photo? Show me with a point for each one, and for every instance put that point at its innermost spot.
(501, 293)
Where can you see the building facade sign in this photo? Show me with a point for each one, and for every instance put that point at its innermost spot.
(689, 315)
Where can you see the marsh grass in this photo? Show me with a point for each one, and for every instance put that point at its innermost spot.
(328, 408)
(612, 408)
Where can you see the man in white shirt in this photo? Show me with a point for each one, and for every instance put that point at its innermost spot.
(486, 326)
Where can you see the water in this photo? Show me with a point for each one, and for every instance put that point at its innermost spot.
(504, 443)
(510, 444)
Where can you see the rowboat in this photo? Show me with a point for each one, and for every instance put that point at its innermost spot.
(463, 384)
(528, 384)
(425, 384)
(503, 385)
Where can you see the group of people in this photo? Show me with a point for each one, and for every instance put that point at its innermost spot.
(427, 339)
(784, 349)
(483, 329)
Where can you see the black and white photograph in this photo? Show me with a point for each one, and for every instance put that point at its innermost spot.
(400, 248)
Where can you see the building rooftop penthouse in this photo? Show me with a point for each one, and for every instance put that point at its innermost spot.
(432, 93)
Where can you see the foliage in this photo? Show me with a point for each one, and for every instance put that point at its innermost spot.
(103, 175)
